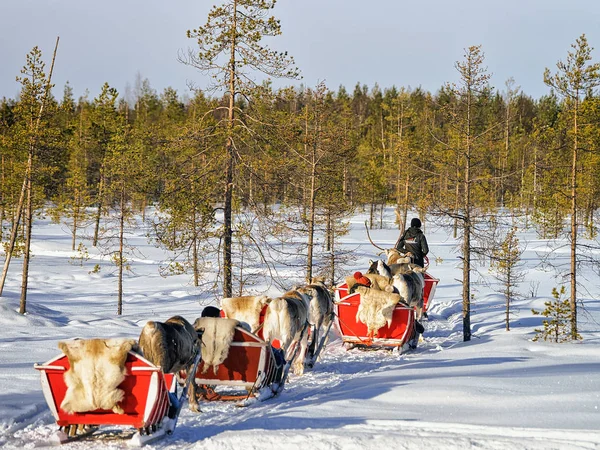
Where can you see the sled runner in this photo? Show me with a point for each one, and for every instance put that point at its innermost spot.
(252, 366)
(150, 403)
(401, 333)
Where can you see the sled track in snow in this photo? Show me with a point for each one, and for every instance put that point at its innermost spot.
(337, 366)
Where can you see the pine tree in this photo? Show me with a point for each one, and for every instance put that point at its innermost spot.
(324, 146)
(188, 175)
(75, 197)
(230, 48)
(465, 118)
(124, 172)
(557, 325)
(401, 118)
(575, 78)
(31, 109)
(505, 262)
(104, 124)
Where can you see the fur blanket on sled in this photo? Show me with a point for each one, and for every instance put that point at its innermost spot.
(375, 281)
(376, 308)
(97, 368)
(245, 309)
(216, 340)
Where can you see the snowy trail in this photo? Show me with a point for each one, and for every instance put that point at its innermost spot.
(499, 391)
(275, 424)
(337, 366)
(304, 414)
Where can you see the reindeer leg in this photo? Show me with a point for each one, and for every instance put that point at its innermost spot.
(193, 397)
(299, 363)
(312, 346)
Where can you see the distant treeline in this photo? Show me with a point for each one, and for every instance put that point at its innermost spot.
(375, 146)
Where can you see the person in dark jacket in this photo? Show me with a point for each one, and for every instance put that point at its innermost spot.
(413, 240)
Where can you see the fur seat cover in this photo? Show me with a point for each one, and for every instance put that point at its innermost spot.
(97, 368)
(245, 309)
(216, 340)
(376, 308)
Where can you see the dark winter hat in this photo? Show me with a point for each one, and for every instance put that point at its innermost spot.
(415, 223)
(211, 311)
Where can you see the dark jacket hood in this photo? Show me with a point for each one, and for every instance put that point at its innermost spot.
(413, 232)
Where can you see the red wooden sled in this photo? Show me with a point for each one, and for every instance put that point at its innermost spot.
(250, 366)
(146, 404)
(401, 333)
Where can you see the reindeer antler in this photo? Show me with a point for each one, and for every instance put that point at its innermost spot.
(370, 240)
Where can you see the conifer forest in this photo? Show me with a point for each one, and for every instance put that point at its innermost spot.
(232, 171)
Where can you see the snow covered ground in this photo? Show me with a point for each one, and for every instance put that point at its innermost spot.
(498, 391)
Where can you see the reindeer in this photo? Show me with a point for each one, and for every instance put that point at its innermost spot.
(393, 255)
(410, 287)
(286, 320)
(320, 314)
(381, 268)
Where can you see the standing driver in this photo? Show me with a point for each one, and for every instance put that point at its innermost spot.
(413, 240)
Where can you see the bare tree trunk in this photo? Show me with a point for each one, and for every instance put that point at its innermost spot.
(251, 185)
(121, 240)
(99, 209)
(75, 222)
(311, 218)
(2, 203)
(507, 294)
(331, 245)
(195, 234)
(228, 207)
(402, 222)
(372, 210)
(405, 209)
(195, 249)
(195, 260)
(23, 219)
(27, 226)
(466, 294)
(241, 276)
(383, 147)
(506, 150)
(573, 299)
(457, 198)
(227, 225)
(398, 202)
(345, 181)
(522, 178)
(467, 230)
(13, 234)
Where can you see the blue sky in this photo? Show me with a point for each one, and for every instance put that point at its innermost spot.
(341, 42)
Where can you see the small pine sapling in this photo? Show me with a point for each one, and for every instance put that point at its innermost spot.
(556, 326)
(81, 256)
(506, 263)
